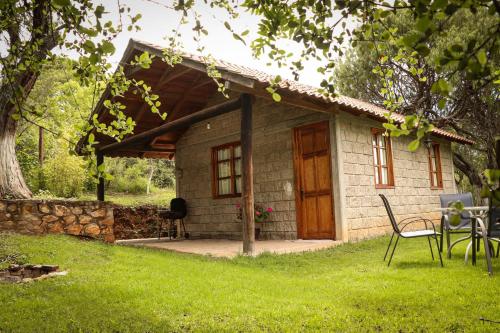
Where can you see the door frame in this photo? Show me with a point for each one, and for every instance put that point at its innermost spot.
(297, 170)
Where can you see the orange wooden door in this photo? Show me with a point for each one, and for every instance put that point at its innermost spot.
(313, 182)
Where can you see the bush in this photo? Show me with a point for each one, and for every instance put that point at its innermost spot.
(65, 175)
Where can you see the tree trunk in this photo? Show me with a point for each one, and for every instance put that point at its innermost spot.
(12, 184)
(150, 176)
(471, 173)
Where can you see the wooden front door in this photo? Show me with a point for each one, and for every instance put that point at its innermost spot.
(313, 182)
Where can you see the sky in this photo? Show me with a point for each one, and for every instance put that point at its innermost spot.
(158, 21)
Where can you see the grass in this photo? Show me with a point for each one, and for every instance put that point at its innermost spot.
(114, 288)
(159, 197)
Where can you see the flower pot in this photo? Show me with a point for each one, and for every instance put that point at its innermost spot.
(257, 233)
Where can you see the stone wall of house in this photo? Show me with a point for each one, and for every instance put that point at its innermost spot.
(362, 215)
(412, 194)
(273, 171)
(80, 218)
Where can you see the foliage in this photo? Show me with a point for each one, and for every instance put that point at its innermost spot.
(345, 289)
(130, 175)
(65, 175)
(160, 197)
(470, 111)
(32, 30)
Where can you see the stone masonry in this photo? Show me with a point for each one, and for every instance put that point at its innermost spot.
(363, 214)
(412, 194)
(273, 171)
(80, 218)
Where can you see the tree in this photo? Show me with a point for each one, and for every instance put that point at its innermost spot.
(31, 31)
(471, 109)
(59, 106)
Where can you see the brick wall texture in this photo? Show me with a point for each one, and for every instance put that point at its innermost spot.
(274, 176)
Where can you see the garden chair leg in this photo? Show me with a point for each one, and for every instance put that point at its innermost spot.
(441, 237)
(430, 247)
(440, 258)
(448, 244)
(392, 253)
(159, 228)
(498, 249)
(388, 247)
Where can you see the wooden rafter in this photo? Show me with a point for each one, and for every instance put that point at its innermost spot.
(166, 77)
(174, 125)
(178, 105)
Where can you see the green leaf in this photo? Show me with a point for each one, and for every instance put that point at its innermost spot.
(442, 104)
(423, 24)
(481, 57)
(226, 24)
(99, 10)
(91, 138)
(439, 4)
(413, 146)
(108, 47)
(276, 97)
(61, 3)
(455, 219)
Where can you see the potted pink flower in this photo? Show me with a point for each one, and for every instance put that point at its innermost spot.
(261, 215)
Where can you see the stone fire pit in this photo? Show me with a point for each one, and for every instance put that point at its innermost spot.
(28, 273)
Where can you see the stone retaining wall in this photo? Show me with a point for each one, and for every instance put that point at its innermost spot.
(136, 222)
(80, 218)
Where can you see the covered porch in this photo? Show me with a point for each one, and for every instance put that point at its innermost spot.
(189, 96)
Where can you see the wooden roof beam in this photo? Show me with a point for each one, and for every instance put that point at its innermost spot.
(174, 125)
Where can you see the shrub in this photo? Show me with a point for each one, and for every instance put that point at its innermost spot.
(65, 175)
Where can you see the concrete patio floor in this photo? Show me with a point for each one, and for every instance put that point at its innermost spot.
(230, 248)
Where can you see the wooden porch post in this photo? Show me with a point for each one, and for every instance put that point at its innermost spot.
(247, 175)
(100, 185)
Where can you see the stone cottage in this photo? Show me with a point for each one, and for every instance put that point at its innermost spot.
(319, 163)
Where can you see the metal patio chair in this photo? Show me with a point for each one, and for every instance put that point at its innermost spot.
(465, 221)
(398, 229)
(488, 234)
(494, 227)
(178, 211)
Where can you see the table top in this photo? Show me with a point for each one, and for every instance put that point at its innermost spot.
(470, 209)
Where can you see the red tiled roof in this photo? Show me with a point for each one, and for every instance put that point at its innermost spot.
(303, 89)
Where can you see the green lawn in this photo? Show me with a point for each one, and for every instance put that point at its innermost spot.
(114, 288)
(159, 197)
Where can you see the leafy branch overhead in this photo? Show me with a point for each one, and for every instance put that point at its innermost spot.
(34, 31)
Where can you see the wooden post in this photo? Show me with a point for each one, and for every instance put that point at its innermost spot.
(100, 184)
(247, 175)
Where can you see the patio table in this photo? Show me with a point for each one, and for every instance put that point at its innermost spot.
(477, 214)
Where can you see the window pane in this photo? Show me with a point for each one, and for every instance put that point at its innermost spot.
(434, 164)
(377, 178)
(385, 176)
(238, 184)
(383, 156)
(224, 186)
(237, 151)
(375, 156)
(237, 167)
(223, 154)
(382, 140)
(374, 140)
(224, 169)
